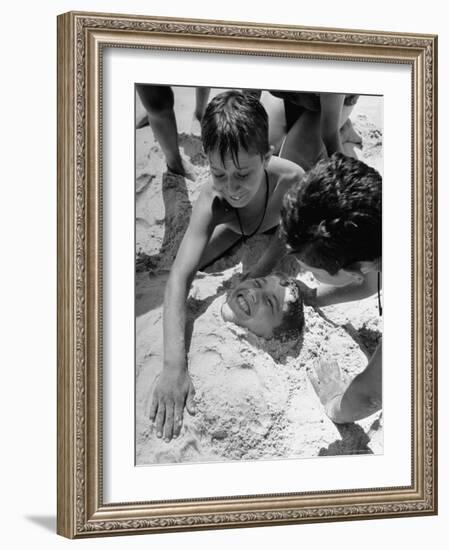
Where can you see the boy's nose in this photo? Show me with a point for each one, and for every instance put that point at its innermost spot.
(254, 295)
(233, 186)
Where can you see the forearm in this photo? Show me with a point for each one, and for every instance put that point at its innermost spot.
(351, 406)
(174, 323)
(275, 251)
(362, 397)
(327, 295)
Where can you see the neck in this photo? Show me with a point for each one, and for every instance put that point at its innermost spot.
(257, 202)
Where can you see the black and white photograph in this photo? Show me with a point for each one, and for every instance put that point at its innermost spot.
(258, 274)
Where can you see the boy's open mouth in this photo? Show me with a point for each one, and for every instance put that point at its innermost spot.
(238, 197)
(243, 304)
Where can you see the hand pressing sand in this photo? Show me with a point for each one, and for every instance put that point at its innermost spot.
(349, 400)
(328, 383)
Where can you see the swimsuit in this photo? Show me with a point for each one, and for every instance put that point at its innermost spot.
(295, 103)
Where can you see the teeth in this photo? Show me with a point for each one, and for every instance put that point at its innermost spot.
(243, 304)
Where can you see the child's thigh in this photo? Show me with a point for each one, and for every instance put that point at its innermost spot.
(221, 241)
(345, 113)
(274, 107)
(156, 99)
(303, 144)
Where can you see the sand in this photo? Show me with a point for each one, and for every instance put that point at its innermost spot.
(253, 397)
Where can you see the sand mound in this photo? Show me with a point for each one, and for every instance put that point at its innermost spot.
(253, 398)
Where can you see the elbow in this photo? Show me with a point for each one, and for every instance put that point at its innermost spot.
(350, 411)
(339, 416)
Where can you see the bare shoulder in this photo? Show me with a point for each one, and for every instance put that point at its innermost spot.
(210, 206)
(284, 173)
(206, 195)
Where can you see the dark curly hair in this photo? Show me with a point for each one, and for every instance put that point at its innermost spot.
(293, 317)
(333, 217)
(235, 120)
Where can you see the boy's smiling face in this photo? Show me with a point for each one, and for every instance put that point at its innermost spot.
(258, 305)
(238, 180)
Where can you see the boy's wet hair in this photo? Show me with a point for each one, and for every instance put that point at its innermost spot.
(292, 323)
(235, 120)
(333, 217)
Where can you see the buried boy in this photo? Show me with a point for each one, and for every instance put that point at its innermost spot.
(332, 224)
(242, 197)
(268, 306)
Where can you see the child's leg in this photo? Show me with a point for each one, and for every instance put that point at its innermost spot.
(351, 141)
(158, 102)
(221, 241)
(277, 126)
(201, 98)
(347, 131)
(292, 113)
(303, 144)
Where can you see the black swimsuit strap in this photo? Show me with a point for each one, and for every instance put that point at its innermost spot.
(244, 237)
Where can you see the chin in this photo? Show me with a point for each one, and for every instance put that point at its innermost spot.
(227, 313)
(238, 204)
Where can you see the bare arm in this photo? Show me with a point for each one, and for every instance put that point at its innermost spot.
(327, 295)
(347, 403)
(174, 389)
(275, 251)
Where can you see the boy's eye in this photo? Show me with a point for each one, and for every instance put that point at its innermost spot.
(270, 304)
(218, 176)
(242, 176)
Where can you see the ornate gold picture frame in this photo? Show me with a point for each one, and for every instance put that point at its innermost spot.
(82, 41)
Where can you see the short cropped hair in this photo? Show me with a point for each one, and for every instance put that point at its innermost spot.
(292, 323)
(235, 120)
(333, 217)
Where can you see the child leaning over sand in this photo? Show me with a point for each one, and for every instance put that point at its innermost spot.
(332, 223)
(242, 197)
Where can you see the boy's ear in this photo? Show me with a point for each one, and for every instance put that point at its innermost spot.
(268, 155)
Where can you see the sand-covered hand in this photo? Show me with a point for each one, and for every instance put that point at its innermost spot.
(328, 383)
(173, 391)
